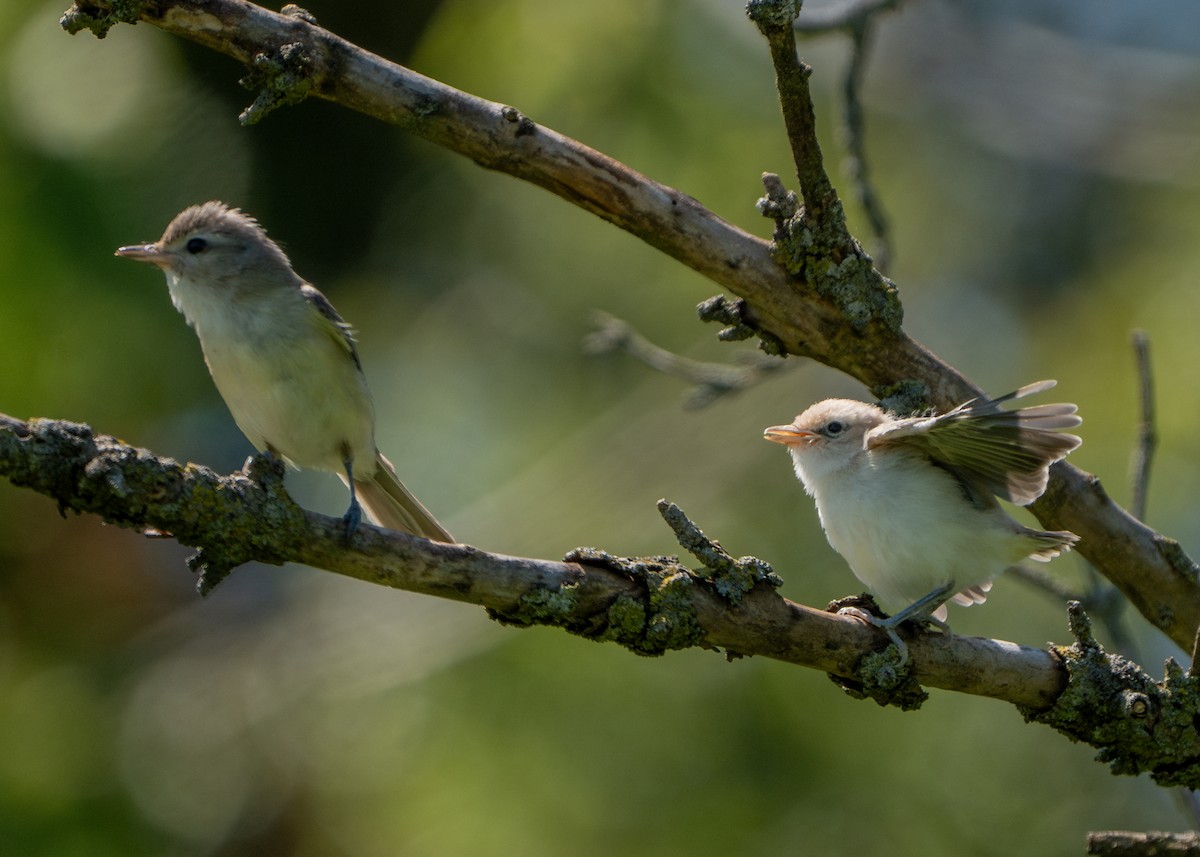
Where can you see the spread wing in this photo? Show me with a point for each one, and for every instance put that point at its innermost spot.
(1009, 452)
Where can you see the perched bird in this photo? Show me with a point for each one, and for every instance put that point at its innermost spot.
(911, 502)
(282, 358)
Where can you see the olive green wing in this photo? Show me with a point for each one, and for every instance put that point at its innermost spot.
(1009, 452)
(341, 332)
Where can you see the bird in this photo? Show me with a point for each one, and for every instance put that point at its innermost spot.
(282, 358)
(911, 502)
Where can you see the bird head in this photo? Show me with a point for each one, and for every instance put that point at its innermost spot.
(215, 245)
(827, 437)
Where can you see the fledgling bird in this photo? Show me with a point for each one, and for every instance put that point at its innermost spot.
(282, 358)
(911, 502)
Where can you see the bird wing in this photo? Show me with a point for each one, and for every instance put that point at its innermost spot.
(341, 332)
(1009, 452)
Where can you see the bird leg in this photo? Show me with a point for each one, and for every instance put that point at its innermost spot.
(920, 611)
(353, 516)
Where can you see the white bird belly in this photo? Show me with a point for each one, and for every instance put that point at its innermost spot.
(906, 529)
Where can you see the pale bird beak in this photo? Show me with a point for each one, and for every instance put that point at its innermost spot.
(789, 435)
(144, 253)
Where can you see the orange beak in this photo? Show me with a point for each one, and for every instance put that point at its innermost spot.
(144, 253)
(789, 435)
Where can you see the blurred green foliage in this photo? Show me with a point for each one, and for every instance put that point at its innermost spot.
(1043, 183)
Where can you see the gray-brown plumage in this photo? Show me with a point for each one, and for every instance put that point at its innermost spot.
(282, 358)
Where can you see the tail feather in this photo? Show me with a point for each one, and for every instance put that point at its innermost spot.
(976, 594)
(1051, 543)
(389, 504)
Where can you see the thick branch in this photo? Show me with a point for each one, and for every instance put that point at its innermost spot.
(1123, 843)
(647, 604)
(247, 516)
(1160, 580)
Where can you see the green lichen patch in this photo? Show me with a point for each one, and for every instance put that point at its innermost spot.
(732, 312)
(282, 78)
(730, 578)
(101, 19)
(882, 677)
(1137, 723)
(904, 398)
(773, 13)
(661, 620)
(828, 260)
(554, 606)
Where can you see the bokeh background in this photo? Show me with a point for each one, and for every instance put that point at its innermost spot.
(1041, 166)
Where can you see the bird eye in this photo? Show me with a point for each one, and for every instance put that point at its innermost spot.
(196, 245)
(833, 428)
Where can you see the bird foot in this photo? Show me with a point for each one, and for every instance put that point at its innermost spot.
(920, 611)
(885, 625)
(352, 519)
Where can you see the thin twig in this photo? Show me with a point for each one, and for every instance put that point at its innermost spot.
(711, 380)
(1048, 583)
(826, 18)
(1147, 437)
(795, 98)
(856, 152)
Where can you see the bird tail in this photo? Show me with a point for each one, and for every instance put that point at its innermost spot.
(1050, 543)
(391, 505)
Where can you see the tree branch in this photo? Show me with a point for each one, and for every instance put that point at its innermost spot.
(856, 143)
(800, 312)
(841, 17)
(710, 381)
(774, 19)
(1147, 439)
(650, 605)
(1121, 843)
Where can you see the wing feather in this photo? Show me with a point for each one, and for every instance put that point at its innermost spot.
(341, 332)
(1009, 452)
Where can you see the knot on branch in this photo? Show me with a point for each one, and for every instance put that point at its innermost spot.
(886, 676)
(656, 620)
(101, 17)
(880, 676)
(299, 13)
(733, 314)
(282, 78)
(730, 578)
(259, 486)
(523, 124)
(657, 613)
(1138, 724)
(780, 204)
(821, 253)
(773, 14)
